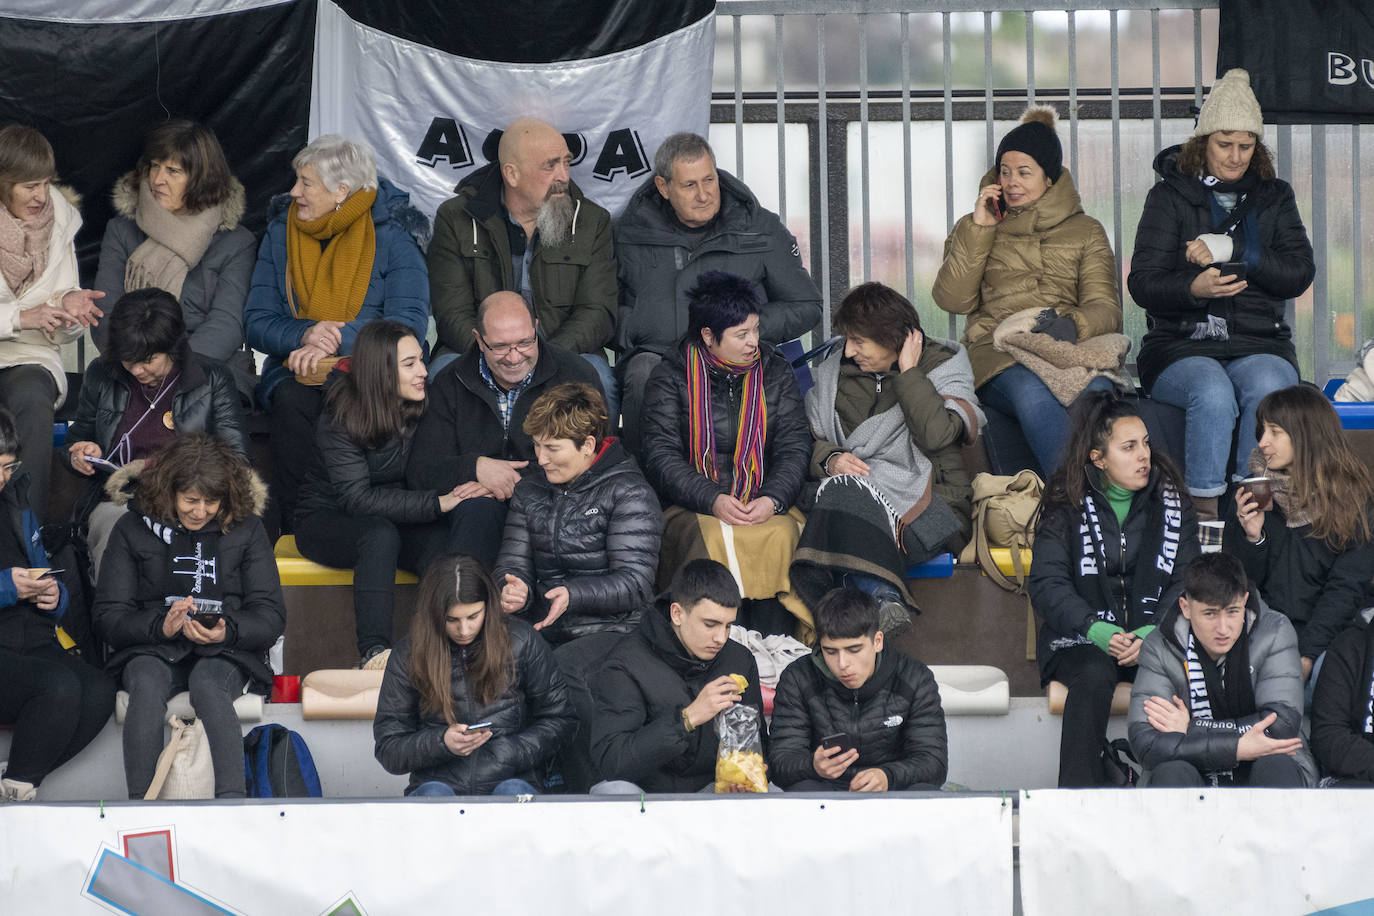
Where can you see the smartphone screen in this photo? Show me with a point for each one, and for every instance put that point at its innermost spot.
(843, 741)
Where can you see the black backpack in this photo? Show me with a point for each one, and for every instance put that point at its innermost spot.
(279, 765)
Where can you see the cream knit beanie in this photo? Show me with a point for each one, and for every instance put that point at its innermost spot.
(1231, 106)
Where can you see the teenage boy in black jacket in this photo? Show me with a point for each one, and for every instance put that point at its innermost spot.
(881, 708)
(662, 687)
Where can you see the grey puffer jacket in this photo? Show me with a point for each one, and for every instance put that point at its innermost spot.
(1275, 671)
(529, 722)
(598, 537)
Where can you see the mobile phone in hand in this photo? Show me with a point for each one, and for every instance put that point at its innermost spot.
(101, 463)
(52, 573)
(479, 726)
(842, 740)
(1231, 271)
(996, 207)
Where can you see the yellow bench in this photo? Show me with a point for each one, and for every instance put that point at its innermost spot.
(1001, 556)
(295, 569)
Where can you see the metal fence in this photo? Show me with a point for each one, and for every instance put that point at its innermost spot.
(810, 124)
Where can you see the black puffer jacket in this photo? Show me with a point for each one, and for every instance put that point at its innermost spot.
(529, 722)
(130, 607)
(1317, 589)
(787, 446)
(661, 259)
(1068, 601)
(463, 421)
(1177, 210)
(1340, 707)
(647, 680)
(598, 537)
(895, 718)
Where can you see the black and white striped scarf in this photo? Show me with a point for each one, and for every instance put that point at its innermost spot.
(1148, 581)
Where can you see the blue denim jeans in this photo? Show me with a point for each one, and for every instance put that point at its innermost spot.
(1214, 394)
(1018, 392)
(436, 789)
(608, 385)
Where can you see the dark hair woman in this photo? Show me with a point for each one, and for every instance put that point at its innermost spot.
(55, 701)
(725, 436)
(189, 598)
(355, 511)
(178, 229)
(42, 305)
(1113, 535)
(466, 664)
(1219, 249)
(1309, 550)
(147, 389)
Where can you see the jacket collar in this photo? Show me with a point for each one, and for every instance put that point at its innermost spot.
(884, 670)
(484, 188)
(656, 629)
(1057, 204)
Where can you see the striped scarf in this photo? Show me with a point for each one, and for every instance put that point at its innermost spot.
(753, 421)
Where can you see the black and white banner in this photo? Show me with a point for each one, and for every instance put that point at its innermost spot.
(1310, 61)
(427, 107)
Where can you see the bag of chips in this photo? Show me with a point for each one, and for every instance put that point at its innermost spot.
(739, 762)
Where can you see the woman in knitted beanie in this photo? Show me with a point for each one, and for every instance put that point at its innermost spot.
(1029, 245)
(1219, 248)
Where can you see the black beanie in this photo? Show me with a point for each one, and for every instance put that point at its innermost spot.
(1035, 136)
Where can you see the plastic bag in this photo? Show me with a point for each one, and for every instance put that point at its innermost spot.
(739, 762)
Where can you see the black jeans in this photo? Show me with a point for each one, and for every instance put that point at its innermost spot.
(1275, 771)
(214, 683)
(1091, 676)
(57, 704)
(28, 392)
(374, 548)
(475, 528)
(295, 409)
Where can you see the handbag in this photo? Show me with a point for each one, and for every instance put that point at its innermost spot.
(184, 768)
(1003, 508)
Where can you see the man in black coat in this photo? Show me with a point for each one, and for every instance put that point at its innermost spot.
(853, 718)
(472, 434)
(661, 688)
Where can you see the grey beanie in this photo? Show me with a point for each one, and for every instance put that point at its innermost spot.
(1231, 106)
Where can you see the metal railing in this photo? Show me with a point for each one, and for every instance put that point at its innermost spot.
(837, 223)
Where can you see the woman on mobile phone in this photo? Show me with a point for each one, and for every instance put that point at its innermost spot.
(1113, 535)
(1029, 245)
(189, 598)
(466, 664)
(1219, 248)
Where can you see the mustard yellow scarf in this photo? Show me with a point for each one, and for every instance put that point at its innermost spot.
(330, 283)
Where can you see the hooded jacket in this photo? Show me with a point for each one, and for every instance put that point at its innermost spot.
(895, 719)
(661, 259)
(1340, 707)
(1210, 744)
(597, 536)
(33, 347)
(573, 284)
(1047, 254)
(130, 607)
(22, 625)
(647, 680)
(215, 288)
(1177, 210)
(667, 465)
(529, 722)
(1067, 600)
(398, 288)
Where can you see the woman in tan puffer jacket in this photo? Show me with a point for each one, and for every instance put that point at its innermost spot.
(1028, 244)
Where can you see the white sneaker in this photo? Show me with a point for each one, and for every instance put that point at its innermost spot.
(16, 790)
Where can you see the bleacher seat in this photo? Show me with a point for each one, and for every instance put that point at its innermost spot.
(1057, 692)
(941, 567)
(295, 569)
(973, 690)
(340, 694)
(248, 707)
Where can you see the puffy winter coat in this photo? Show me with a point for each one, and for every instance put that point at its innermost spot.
(215, 288)
(598, 536)
(529, 722)
(463, 420)
(1047, 254)
(1340, 707)
(647, 680)
(573, 284)
(22, 625)
(1211, 744)
(398, 288)
(1068, 601)
(895, 719)
(1317, 589)
(130, 606)
(661, 259)
(1177, 210)
(667, 465)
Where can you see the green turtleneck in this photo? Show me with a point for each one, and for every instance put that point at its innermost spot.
(1119, 499)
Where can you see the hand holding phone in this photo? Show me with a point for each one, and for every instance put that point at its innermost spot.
(842, 740)
(478, 726)
(1231, 271)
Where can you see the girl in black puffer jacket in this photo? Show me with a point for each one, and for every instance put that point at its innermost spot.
(1113, 535)
(354, 510)
(466, 664)
(582, 535)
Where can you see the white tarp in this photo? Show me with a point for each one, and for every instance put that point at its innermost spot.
(426, 112)
(85, 12)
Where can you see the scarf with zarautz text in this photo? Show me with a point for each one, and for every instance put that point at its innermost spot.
(1148, 580)
(753, 421)
(1212, 695)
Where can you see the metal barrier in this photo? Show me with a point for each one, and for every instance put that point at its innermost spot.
(834, 212)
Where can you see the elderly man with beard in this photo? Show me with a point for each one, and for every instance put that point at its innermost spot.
(521, 224)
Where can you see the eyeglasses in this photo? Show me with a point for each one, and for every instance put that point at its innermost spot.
(499, 350)
(12, 468)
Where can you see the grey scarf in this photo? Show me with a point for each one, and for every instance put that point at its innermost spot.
(174, 245)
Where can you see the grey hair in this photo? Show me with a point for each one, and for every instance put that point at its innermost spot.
(688, 146)
(339, 162)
